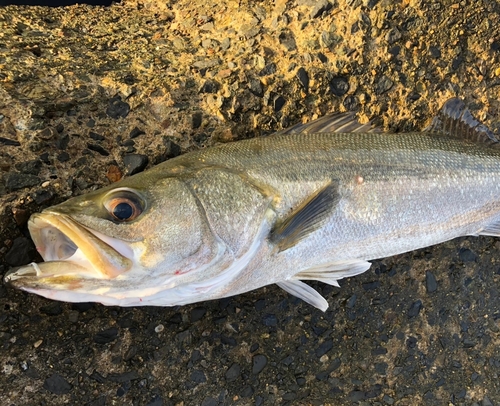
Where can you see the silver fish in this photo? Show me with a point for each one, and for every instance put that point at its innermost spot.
(314, 202)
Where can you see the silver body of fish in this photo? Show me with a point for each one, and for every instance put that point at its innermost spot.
(316, 202)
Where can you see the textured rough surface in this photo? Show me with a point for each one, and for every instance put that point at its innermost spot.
(82, 87)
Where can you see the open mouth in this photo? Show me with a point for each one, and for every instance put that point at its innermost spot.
(70, 249)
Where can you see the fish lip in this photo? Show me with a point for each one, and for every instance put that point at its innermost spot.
(58, 236)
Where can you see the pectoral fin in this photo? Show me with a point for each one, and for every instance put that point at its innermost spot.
(307, 218)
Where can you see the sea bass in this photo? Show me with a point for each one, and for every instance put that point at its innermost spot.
(314, 202)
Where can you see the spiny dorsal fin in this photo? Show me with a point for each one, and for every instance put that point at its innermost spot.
(331, 123)
(308, 217)
(456, 120)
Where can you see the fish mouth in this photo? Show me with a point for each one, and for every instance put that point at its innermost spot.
(71, 252)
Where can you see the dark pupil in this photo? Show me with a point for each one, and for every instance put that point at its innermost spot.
(123, 211)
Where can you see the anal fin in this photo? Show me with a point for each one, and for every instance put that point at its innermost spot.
(492, 230)
(331, 273)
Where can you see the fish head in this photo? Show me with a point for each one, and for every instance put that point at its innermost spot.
(136, 242)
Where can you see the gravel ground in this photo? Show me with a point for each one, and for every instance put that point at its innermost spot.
(91, 94)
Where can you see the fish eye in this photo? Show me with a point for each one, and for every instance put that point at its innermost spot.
(124, 205)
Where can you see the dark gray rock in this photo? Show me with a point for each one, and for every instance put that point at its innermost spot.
(278, 103)
(17, 181)
(22, 252)
(135, 163)
(287, 39)
(303, 78)
(136, 132)
(486, 402)
(209, 86)
(6, 141)
(259, 361)
(466, 255)
(196, 119)
(63, 157)
(321, 7)
(324, 347)
(197, 313)
(351, 302)
(123, 377)
(198, 376)
(117, 108)
(97, 148)
(233, 372)
(171, 148)
(269, 69)
(430, 282)
(43, 196)
(30, 167)
(255, 87)
(383, 85)
(393, 35)
(52, 309)
(106, 336)
(57, 385)
(434, 52)
(270, 320)
(208, 401)
(356, 396)
(339, 86)
(62, 141)
(96, 136)
(415, 308)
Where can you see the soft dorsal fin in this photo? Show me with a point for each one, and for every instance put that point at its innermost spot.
(456, 120)
(306, 218)
(331, 123)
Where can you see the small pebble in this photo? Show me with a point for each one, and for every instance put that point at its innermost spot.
(303, 78)
(96, 136)
(259, 362)
(57, 385)
(159, 328)
(339, 86)
(98, 149)
(114, 174)
(415, 308)
(135, 163)
(63, 157)
(117, 108)
(233, 372)
(430, 282)
(321, 7)
(16, 181)
(106, 336)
